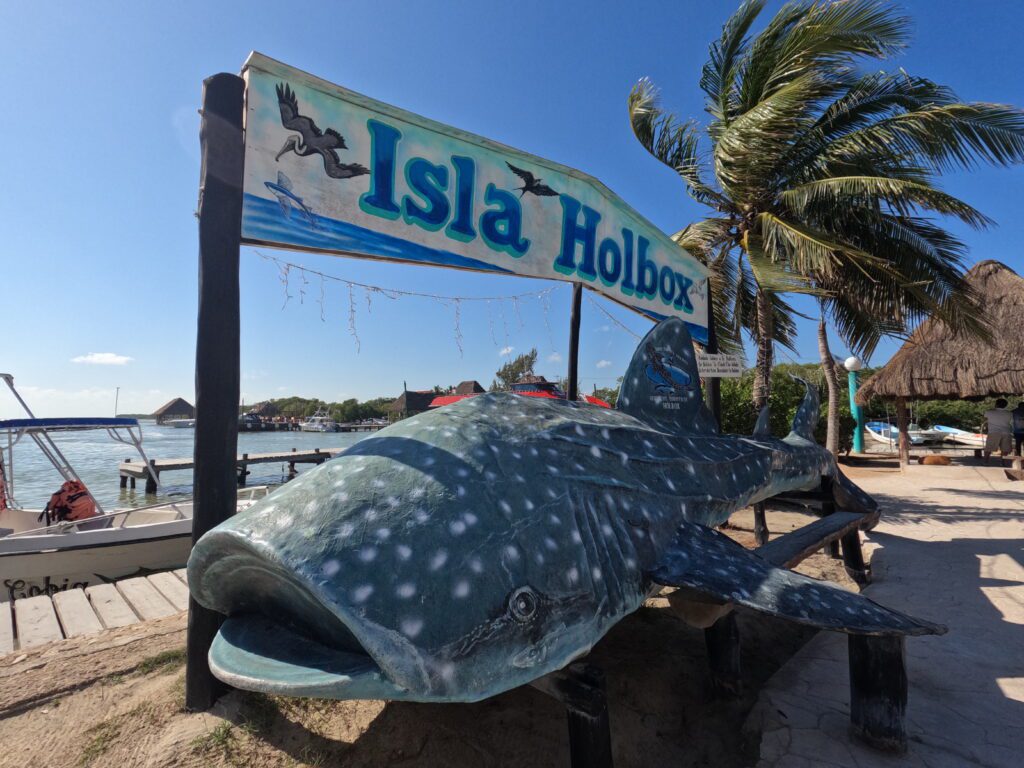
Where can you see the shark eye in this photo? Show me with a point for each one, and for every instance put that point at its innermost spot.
(522, 604)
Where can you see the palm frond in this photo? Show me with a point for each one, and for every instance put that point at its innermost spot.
(668, 140)
(945, 137)
(718, 76)
(903, 196)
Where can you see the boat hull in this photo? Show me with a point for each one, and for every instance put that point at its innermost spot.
(83, 559)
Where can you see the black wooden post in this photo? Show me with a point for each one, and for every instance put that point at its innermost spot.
(853, 559)
(722, 640)
(222, 146)
(581, 688)
(713, 385)
(878, 691)
(574, 342)
(151, 479)
(760, 524)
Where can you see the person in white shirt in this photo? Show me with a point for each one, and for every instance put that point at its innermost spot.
(1000, 430)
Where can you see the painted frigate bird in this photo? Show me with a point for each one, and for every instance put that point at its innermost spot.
(311, 140)
(531, 183)
(472, 549)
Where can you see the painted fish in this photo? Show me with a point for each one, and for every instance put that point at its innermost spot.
(286, 197)
(472, 549)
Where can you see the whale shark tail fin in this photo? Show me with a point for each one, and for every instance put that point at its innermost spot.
(711, 563)
(662, 386)
(807, 414)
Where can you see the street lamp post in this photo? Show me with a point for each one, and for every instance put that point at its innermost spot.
(854, 364)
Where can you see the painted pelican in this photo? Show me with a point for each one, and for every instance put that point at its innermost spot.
(311, 140)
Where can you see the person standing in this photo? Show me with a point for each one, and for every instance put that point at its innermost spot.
(1018, 426)
(1000, 430)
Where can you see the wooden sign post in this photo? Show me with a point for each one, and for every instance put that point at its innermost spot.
(217, 351)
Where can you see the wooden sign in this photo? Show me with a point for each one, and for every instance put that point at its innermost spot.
(715, 366)
(332, 171)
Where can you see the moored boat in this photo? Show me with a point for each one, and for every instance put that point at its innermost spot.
(320, 421)
(72, 541)
(962, 436)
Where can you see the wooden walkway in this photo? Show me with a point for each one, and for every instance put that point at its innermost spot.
(132, 470)
(32, 621)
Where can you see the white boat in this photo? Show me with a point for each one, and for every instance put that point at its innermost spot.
(888, 434)
(319, 422)
(181, 423)
(39, 555)
(113, 545)
(962, 437)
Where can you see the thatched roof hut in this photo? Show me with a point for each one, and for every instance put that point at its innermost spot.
(469, 387)
(265, 409)
(178, 408)
(935, 364)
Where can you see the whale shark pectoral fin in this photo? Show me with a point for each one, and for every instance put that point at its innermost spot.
(807, 414)
(286, 206)
(763, 427)
(708, 561)
(257, 654)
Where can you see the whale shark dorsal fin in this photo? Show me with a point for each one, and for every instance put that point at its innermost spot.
(763, 428)
(807, 414)
(661, 386)
(283, 181)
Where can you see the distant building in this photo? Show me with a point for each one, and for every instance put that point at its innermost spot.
(177, 408)
(469, 388)
(409, 403)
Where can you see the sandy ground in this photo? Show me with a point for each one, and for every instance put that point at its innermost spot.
(949, 548)
(116, 700)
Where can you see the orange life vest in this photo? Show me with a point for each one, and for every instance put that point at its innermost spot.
(71, 502)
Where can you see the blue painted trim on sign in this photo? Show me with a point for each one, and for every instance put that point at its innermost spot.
(262, 222)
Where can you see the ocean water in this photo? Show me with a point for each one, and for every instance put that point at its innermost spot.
(96, 457)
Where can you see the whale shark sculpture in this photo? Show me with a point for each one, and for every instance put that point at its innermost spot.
(469, 550)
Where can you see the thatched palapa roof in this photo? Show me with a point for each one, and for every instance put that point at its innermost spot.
(935, 364)
(265, 409)
(176, 407)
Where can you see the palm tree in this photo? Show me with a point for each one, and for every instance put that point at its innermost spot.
(821, 178)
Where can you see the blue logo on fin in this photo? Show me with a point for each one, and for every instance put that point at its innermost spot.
(661, 371)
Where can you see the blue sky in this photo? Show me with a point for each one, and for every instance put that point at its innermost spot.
(101, 162)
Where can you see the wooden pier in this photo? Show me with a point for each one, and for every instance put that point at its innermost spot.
(132, 470)
(30, 621)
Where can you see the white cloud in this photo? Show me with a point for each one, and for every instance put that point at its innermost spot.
(102, 358)
(505, 351)
(554, 357)
(604, 363)
(282, 389)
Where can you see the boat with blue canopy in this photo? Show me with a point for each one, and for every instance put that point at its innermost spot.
(72, 541)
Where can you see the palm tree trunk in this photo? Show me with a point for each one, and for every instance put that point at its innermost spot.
(828, 367)
(765, 351)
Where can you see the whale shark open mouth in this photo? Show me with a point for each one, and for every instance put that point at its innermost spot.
(254, 652)
(280, 637)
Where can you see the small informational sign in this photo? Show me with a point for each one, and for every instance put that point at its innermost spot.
(720, 366)
(332, 171)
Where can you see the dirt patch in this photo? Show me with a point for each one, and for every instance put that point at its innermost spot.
(116, 700)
